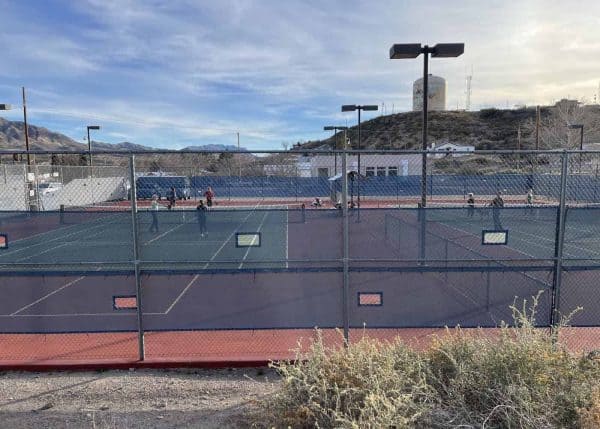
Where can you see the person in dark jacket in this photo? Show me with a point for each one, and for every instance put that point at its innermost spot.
(201, 213)
(172, 197)
(497, 203)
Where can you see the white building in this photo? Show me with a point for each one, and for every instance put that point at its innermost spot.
(370, 165)
(449, 149)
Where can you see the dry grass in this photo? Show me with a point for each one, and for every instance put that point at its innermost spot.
(523, 379)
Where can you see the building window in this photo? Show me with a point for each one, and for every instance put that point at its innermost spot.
(381, 171)
(370, 171)
(392, 171)
(323, 172)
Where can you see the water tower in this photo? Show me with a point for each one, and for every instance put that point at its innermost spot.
(436, 96)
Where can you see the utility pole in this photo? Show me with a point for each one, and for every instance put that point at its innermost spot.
(25, 123)
(239, 155)
(537, 127)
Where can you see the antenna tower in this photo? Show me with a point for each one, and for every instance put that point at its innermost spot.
(468, 91)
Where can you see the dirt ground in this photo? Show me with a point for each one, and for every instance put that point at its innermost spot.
(133, 399)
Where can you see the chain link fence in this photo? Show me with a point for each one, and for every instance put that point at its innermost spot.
(238, 255)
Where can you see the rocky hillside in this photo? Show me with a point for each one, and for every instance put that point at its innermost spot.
(485, 129)
(12, 136)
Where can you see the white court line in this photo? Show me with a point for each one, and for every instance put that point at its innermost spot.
(132, 313)
(164, 233)
(72, 282)
(477, 236)
(211, 259)
(51, 293)
(53, 239)
(539, 237)
(249, 247)
(182, 293)
(186, 243)
(229, 238)
(87, 237)
(42, 252)
(39, 234)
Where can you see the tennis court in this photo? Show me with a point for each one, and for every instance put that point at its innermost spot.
(267, 271)
(106, 236)
(291, 281)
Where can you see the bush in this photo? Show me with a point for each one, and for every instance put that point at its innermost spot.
(366, 385)
(521, 379)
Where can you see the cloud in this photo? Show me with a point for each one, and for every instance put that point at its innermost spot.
(277, 71)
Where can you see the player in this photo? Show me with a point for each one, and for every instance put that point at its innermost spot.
(209, 194)
(172, 197)
(497, 203)
(529, 200)
(201, 213)
(317, 202)
(470, 205)
(154, 206)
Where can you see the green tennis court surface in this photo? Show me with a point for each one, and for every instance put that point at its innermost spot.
(106, 237)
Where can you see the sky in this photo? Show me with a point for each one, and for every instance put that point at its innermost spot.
(176, 73)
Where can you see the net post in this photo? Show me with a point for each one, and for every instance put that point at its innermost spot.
(345, 256)
(136, 262)
(61, 214)
(559, 245)
(303, 213)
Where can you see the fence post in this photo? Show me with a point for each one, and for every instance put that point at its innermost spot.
(345, 255)
(559, 244)
(487, 288)
(422, 216)
(136, 261)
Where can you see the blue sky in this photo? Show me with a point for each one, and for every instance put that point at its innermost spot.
(176, 73)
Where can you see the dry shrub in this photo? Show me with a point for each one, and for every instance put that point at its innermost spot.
(522, 379)
(367, 385)
(589, 418)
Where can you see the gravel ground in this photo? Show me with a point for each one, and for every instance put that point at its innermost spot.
(132, 399)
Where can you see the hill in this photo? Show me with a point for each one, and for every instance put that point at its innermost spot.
(486, 129)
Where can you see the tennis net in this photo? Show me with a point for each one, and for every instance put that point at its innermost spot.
(403, 234)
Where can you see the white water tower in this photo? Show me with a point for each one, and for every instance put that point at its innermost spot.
(436, 94)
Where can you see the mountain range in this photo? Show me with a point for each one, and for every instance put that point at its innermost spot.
(487, 129)
(12, 136)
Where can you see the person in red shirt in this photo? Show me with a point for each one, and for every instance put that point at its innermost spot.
(209, 194)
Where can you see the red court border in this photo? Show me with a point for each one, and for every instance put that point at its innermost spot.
(214, 349)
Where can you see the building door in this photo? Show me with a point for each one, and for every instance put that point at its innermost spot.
(405, 167)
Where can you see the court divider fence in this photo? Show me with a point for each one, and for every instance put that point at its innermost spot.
(236, 256)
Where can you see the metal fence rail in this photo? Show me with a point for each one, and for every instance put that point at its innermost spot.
(237, 255)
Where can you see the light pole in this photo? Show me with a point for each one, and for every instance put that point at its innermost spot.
(580, 128)
(5, 107)
(359, 108)
(335, 129)
(91, 127)
(413, 50)
(239, 156)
